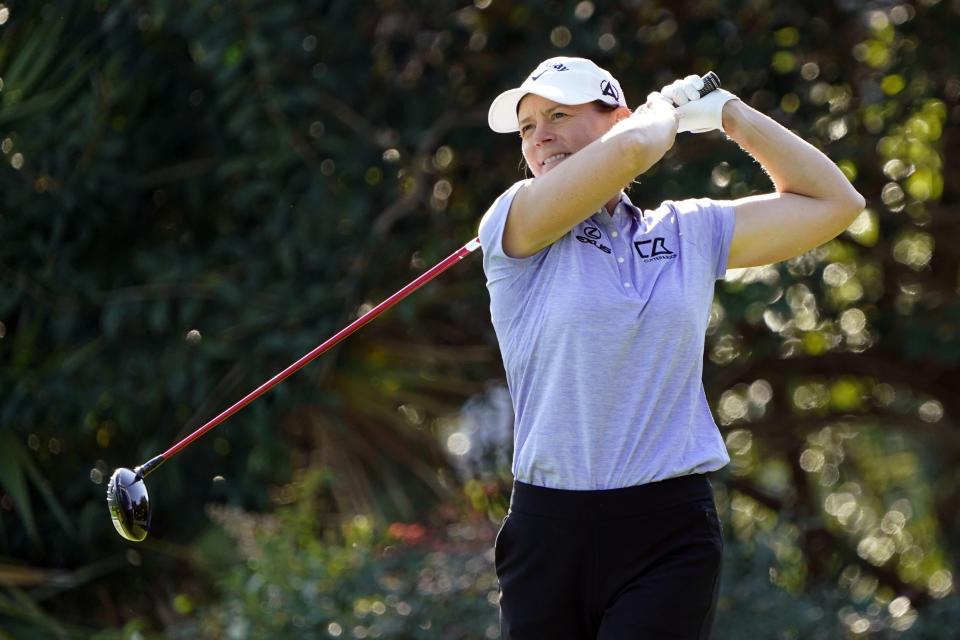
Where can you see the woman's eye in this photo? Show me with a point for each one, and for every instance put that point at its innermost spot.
(558, 115)
(525, 129)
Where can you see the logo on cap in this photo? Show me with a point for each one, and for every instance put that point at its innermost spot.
(607, 89)
(555, 67)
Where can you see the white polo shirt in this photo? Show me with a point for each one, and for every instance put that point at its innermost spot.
(602, 337)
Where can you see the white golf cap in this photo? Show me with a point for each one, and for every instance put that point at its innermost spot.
(563, 80)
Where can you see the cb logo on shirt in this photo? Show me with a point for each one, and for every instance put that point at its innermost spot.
(654, 249)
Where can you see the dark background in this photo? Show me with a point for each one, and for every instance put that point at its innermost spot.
(258, 173)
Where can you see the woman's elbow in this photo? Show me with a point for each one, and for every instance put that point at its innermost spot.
(850, 205)
(855, 203)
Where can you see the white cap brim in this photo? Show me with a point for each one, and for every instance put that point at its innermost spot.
(502, 116)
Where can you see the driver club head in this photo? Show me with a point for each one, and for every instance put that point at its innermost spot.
(129, 504)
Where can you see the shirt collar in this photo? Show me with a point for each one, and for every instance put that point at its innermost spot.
(625, 205)
(629, 207)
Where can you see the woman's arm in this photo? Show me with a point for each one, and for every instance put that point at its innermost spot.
(813, 202)
(553, 203)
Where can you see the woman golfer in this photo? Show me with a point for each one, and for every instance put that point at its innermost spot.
(600, 307)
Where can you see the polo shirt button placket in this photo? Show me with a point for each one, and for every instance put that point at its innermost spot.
(614, 242)
(621, 245)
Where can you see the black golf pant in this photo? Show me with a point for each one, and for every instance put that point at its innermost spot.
(637, 563)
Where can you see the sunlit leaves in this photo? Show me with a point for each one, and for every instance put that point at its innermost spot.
(849, 169)
(560, 36)
(844, 285)
(925, 183)
(373, 176)
(912, 158)
(811, 396)
(853, 321)
(913, 248)
(848, 394)
(743, 402)
(883, 532)
(783, 61)
(786, 37)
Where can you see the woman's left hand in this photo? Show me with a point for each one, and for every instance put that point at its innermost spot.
(697, 113)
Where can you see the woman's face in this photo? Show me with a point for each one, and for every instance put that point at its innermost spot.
(551, 132)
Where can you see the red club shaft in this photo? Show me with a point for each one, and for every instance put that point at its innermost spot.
(424, 278)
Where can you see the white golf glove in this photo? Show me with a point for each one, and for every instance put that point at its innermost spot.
(682, 91)
(697, 114)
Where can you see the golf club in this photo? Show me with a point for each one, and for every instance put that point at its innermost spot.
(127, 496)
(711, 81)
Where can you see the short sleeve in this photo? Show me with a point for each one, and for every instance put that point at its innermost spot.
(707, 224)
(507, 278)
(493, 223)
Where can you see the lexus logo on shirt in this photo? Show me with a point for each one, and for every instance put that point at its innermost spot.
(592, 235)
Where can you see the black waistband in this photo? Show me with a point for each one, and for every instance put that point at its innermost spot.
(641, 499)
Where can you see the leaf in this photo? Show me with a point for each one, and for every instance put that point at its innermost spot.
(14, 483)
(46, 492)
(38, 66)
(47, 100)
(24, 57)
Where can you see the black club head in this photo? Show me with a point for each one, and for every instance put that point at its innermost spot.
(129, 504)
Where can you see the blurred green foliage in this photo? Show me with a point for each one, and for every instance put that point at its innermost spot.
(194, 194)
(291, 577)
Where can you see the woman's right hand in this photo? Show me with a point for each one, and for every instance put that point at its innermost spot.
(550, 205)
(658, 121)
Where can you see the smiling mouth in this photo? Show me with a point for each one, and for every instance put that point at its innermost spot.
(555, 158)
